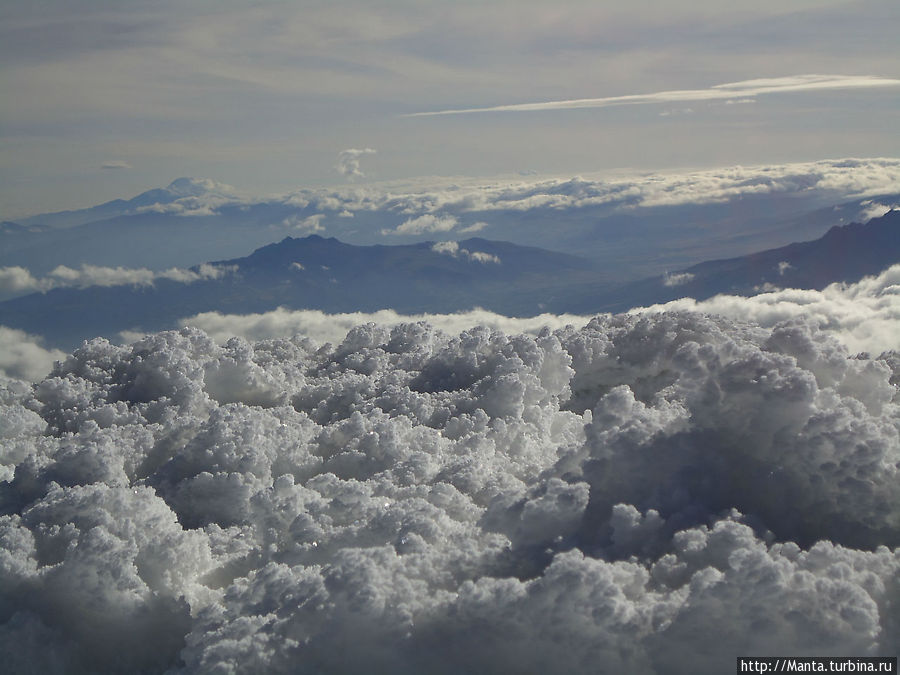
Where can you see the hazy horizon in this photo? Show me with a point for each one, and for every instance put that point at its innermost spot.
(113, 98)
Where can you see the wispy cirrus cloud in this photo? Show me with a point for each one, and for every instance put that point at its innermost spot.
(115, 164)
(728, 91)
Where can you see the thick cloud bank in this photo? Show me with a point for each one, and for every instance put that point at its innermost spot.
(325, 327)
(864, 316)
(647, 494)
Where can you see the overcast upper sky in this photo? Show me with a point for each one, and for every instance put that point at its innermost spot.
(104, 99)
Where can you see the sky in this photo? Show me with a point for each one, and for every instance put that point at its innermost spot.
(106, 99)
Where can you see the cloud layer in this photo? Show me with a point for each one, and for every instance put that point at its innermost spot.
(730, 91)
(647, 493)
(17, 280)
(323, 327)
(864, 317)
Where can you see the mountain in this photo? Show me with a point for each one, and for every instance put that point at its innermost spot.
(193, 220)
(317, 273)
(326, 274)
(177, 189)
(844, 254)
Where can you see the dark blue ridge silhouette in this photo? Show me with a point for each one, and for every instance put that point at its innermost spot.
(326, 274)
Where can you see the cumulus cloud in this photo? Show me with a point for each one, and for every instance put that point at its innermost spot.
(18, 280)
(94, 275)
(23, 356)
(453, 249)
(727, 91)
(307, 224)
(425, 223)
(872, 209)
(864, 316)
(641, 491)
(677, 279)
(323, 327)
(349, 162)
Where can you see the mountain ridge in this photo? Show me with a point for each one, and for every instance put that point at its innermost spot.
(324, 273)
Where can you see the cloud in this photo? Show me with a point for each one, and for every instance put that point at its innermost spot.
(874, 209)
(864, 316)
(16, 281)
(196, 197)
(824, 182)
(425, 223)
(452, 249)
(23, 356)
(728, 91)
(676, 111)
(323, 327)
(348, 162)
(93, 275)
(304, 224)
(677, 279)
(480, 256)
(116, 164)
(692, 488)
(474, 227)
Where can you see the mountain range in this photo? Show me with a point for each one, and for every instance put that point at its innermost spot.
(194, 220)
(314, 272)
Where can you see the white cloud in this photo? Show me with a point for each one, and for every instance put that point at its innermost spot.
(474, 227)
(349, 162)
(874, 209)
(305, 224)
(323, 327)
(728, 91)
(23, 356)
(864, 316)
(425, 223)
(19, 281)
(450, 248)
(481, 256)
(695, 488)
(196, 197)
(824, 182)
(677, 279)
(453, 249)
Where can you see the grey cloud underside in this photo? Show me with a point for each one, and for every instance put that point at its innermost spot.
(648, 494)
